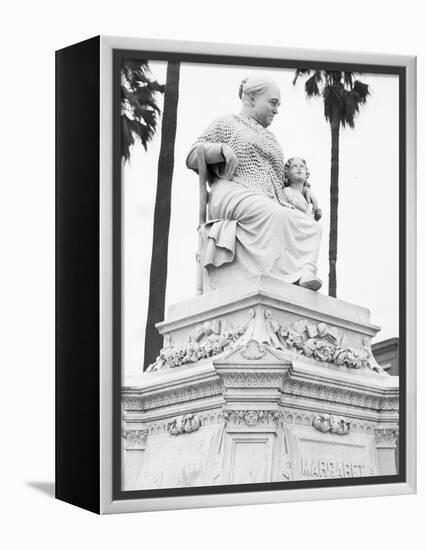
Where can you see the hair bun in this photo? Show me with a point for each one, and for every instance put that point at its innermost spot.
(241, 88)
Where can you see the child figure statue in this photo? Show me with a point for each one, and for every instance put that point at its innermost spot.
(297, 188)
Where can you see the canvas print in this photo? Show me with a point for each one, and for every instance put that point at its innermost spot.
(260, 271)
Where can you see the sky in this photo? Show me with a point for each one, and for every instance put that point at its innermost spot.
(367, 261)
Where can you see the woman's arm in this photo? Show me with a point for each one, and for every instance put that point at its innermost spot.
(213, 152)
(214, 139)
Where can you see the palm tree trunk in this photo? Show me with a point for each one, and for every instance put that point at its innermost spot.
(334, 201)
(159, 257)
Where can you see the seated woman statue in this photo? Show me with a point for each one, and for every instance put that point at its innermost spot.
(254, 228)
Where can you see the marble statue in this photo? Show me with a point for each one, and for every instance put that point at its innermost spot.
(254, 227)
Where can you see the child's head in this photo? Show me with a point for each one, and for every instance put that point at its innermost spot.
(295, 170)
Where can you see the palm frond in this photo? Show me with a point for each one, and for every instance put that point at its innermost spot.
(311, 86)
(139, 109)
(318, 76)
(348, 78)
(332, 78)
(341, 93)
(362, 90)
(350, 109)
(299, 72)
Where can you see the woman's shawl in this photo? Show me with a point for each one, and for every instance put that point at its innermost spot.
(261, 161)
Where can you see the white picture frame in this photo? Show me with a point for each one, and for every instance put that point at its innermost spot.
(111, 501)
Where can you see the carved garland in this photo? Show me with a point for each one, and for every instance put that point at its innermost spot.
(156, 427)
(207, 340)
(186, 423)
(318, 342)
(329, 423)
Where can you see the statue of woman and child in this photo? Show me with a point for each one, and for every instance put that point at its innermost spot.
(262, 213)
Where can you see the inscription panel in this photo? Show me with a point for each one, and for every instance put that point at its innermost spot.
(316, 455)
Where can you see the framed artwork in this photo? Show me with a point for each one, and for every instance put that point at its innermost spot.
(235, 274)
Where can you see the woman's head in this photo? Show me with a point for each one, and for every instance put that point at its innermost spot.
(261, 98)
(295, 170)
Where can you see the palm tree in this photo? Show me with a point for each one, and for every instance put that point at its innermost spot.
(160, 243)
(139, 109)
(139, 117)
(343, 97)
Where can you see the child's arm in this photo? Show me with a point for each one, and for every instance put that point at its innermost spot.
(310, 198)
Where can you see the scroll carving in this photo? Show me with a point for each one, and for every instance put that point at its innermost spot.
(253, 350)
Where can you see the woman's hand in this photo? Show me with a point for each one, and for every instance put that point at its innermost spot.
(231, 161)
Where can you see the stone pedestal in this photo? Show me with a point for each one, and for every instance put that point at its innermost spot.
(265, 381)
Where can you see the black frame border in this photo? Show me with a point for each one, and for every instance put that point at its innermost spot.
(77, 240)
(118, 56)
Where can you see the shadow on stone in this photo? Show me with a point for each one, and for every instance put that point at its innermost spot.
(46, 487)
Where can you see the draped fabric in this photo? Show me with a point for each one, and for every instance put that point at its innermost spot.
(252, 228)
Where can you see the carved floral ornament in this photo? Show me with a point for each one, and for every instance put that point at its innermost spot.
(386, 436)
(134, 438)
(330, 423)
(316, 341)
(252, 417)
